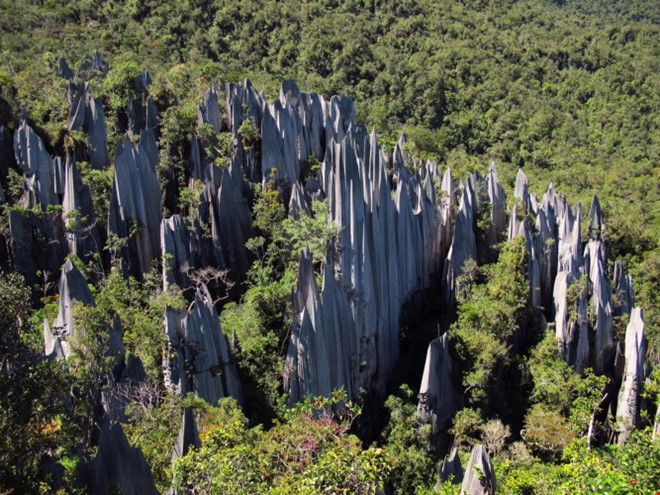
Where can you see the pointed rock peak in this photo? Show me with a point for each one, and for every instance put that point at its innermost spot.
(595, 219)
(328, 275)
(297, 203)
(493, 177)
(479, 474)
(289, 88)
(521, 179)
(188, 435)
(452, 468)
(635, 331)
(118, 465)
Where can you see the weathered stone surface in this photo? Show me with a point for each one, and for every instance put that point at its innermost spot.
(63, 70)
(281, 139)
(224, 211)
(600, 291)
(497, 199)
(377, 263)
(519, 226)
(547, 249)
(197, 344)
(7, 157)
(624, 290)
(596, 225)
(438, 397)
(521, 192)
(209, 110)
(78, 214)
(96, 133)
(117, 465)
(72, 289)
(37, 244)
(570, 245)
(179, 256)
(451, 468)
(77, 97)
(479, 478)
(188, 435)
(628, 406)
(37, 164)
(297, 203)
(134, 212)
(463, 245)
(310, 109)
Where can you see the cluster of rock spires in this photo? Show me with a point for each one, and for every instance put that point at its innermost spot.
(569, 282)
(399, 235)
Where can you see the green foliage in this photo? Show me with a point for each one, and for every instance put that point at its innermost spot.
(312, 453)
(314, 232)
(99, 183)
(153, 426)
(140, 308)
(260, 325)
(634, 468)
(33, 392)
(466, 427)
(563, 400)
(404, 444)
(488, 315)
(189, 199)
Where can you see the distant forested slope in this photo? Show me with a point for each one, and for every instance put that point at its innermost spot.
(567, 90)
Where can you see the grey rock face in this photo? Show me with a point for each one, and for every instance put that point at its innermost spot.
(63, 70)
(570, 244)
(134, 212)
(596, 226)
(118, 465)
(37, 164)
(225, 214)
(463, 245)
(198, 356)
(347, 335)
(209, 110)
(94, 62)
(451, 467)
(188, 435)
(37, 243)
(594, 265)
(479, 478)
(7, 158)
(96, 133)
(547, 249)
(624, 289)
(628, 406)
(438, 398)
(521, 192)
(282, 143)
(298, 203)
(178, 253)
(78, 214)
(497, 199)
(72, 289)
(519, 226)
(77, 98)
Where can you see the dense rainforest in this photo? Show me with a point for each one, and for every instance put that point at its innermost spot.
(216, 280)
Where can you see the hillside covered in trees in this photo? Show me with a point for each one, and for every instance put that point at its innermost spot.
(433, 259)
